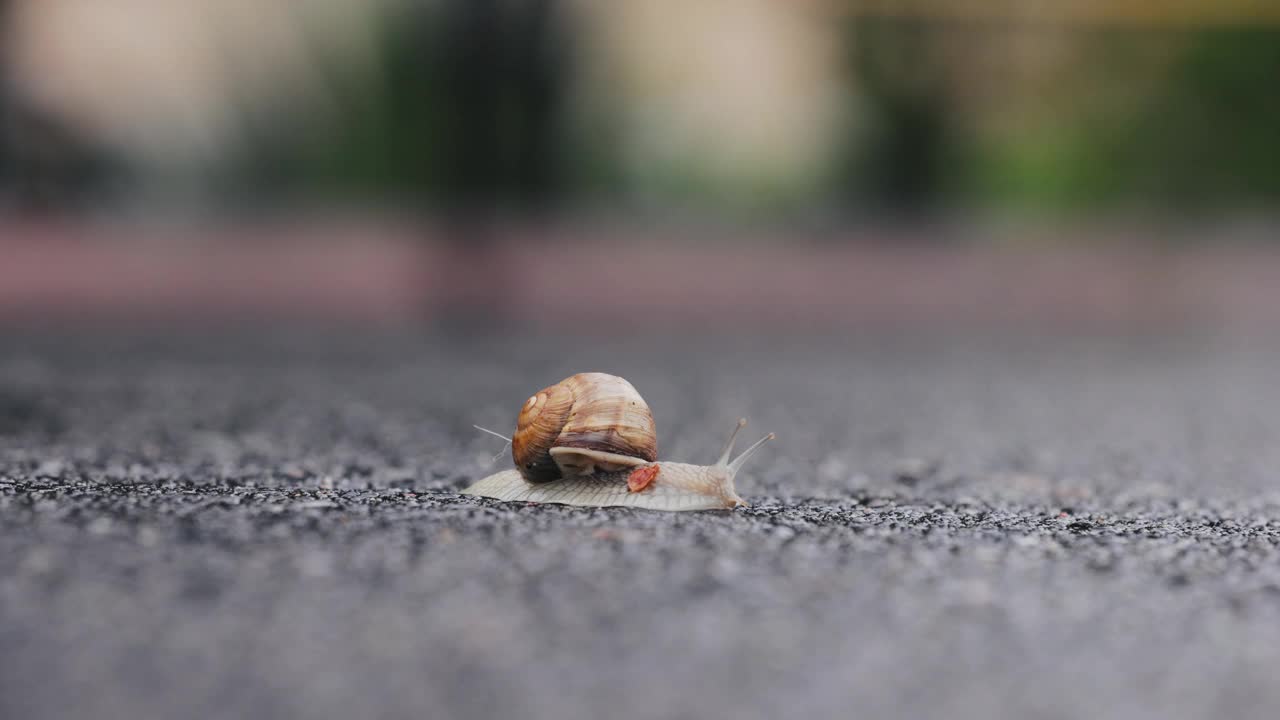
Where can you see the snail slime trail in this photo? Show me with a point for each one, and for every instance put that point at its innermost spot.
(590, 440)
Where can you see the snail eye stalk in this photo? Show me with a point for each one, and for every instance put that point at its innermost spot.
(741, 460)
(728, 447)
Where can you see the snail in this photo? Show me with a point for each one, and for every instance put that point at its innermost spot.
(590, 440)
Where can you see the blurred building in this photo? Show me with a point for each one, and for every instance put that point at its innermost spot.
(166, 87)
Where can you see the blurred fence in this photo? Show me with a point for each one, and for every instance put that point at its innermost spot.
(747, 108)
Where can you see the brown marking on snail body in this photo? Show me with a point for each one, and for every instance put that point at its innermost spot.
(641, 477)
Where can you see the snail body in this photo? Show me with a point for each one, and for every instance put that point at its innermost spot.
(590, 440)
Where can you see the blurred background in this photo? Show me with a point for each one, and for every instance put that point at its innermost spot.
(492, 161)
(1001, 275)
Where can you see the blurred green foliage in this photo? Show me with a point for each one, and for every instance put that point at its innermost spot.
(387, 138)
(1202, 135)
(1211, 133)
(462, 108)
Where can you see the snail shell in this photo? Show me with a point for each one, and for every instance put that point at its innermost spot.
(585, 423)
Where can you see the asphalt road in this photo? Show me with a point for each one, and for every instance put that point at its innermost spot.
(266, 525)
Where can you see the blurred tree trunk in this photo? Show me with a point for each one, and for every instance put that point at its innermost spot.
(503, 95)
(898, 166)
(471, 44)
(6, 152)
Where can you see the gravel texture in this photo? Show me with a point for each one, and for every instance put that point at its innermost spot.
(266, 525)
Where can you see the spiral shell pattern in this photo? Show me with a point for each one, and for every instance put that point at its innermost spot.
(593, 411)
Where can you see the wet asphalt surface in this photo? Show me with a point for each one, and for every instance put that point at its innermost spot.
(267, 526)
